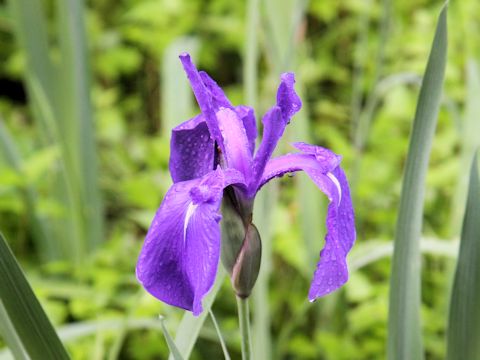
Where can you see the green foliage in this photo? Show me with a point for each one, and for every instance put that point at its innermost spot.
(404, 337)
(340, 51)
(23, 320)
(464, 319)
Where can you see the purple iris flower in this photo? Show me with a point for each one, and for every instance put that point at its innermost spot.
(214, 154)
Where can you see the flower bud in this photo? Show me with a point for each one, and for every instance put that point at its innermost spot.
(233, 233)
(247, 264)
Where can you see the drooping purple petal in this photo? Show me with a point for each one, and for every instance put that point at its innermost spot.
(191, 150)
(274, 123)
(332, 271)
(322, 166)
(235, 141)
(180, 256)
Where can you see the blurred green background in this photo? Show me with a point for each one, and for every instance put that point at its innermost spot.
(88, 95)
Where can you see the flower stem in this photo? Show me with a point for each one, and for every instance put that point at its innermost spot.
(244, 319)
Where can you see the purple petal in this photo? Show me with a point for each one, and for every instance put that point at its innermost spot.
(274, 123)
(211, 99)
(237, 152)
(192, 150)
(249, 123)
(321, 165)
(287, 98)
(332, 271)
(179, 258)
(208, 103)
(218, 96)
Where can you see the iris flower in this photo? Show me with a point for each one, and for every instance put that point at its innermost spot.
(214, 154)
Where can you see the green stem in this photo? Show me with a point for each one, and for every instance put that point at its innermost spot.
(244, 319)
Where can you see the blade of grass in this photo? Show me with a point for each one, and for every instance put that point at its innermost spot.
(312, 204)
(176, 95)
(226, 355)
(463, 332)
(404, 332)
(190, 326)
(171, 344)
(25, 312)
(281, 25)
(31, 29)
(7, 331)
(469, 141)
(59, 98)
(363, 116)
(45, 243)
(250, 56)
(74, 101)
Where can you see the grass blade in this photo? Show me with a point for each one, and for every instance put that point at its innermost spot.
(404, 332)
(190, 326)
(464, 319)
(226, 355)
(171, 344)
(176, 95)
(73, 98)
(469, 141)
(7, 331)
(25, 312)
(45, 243)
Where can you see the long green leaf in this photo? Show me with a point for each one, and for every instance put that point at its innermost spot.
(171, 344)
(469, 141)
(464, 321)
(7, 331)
(25, 313)
(226, 355)
(176, 95)
(76, 119)
(59, 96)
(404, 331)
(190, 326)
(45, 244)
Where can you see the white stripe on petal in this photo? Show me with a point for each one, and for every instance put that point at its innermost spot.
(337, 184)
(190, 210)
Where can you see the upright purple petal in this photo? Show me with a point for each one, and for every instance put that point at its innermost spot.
(322, 166)
(211, 99)
(287, 99)
(219, 99)
(206, 101)
(247, 115)
(180, 256)
(235, 141)
(274, 123)
(192, 150)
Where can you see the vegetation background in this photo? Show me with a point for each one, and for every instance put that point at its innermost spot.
(76, 200)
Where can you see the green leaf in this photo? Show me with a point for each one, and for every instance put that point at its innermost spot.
(24, 312)
(404, 332)
(469, 141)
(190, 326)
(44, 242)
(59, 94)
(75, 119)
(463, 332)
(176, 101)
(226, 355)
(171, 344)
(7, 331)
